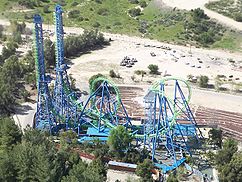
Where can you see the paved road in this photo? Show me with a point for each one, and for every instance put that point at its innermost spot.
(25, 115)
(209, 99)
(216, 100)
(192, 4)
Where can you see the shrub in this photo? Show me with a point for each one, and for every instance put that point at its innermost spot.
(144, 170)
(140, 72)
(77, 44)
(142, 3)
(96, 24)
(99, 1)
(238, 17)
(203, 81)
(80, 18)
(46, 9)
(117, 23)
(74, 14)
(153, 69)
(103, 11)
(74, 3)
(112, 74)
(27, 3)
(134, 1)
(94, 77)
(199, 14)
(135, 12)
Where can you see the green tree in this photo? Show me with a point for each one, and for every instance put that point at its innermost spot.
(7, 168)
(198, 14)
(119, 140)
(153, 69)
(112, 74)
(1, 31)
(9, 50)
(215, 137)
(135, 12)
(17, 37)
(203, 81)
(224, 156)
(68, 139)
(74, 14)
(28, 66)
(74, 45)
(76, 173)
(233, 170)
(9, 133)
(49, 50)
(12, 70)
(134, 1)
(144, 170)
(140, 72)
(238, 17)
(229, 162)
(7, 99)
(94, 77)
(94, 172)
(143, 3)
(37, 159)
(46, 9)
(72, 82)
(172, 177)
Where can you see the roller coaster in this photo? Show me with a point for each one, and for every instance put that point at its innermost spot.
(164, 132)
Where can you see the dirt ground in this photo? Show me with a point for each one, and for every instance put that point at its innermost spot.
(177, 62)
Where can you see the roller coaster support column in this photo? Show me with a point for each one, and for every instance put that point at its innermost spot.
(59, 98)
(44, 118)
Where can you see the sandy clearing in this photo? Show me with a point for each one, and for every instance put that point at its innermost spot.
(102, 61)
(110, 57)
(188, 5)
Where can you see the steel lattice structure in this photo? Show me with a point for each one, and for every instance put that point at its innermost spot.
(168, 125)
(44, 117)
(169, 120)
(104, 106)
(59, 97)
(64, 109)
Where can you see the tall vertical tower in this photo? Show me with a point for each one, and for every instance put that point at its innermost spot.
(44, 118)
(65, 108)
(61, 81)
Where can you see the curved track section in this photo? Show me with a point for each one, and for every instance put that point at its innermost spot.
(161, 133)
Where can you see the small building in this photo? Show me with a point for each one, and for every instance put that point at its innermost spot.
(121, 166)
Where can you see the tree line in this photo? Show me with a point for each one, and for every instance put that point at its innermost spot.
(33, 157)
(16, 71)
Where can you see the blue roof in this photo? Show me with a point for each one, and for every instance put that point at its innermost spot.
(94, 131)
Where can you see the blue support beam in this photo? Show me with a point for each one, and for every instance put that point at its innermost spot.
(44, 118)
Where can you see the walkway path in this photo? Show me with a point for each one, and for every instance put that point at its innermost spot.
(192, 4)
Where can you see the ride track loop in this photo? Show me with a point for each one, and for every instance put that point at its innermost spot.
(162, 132)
